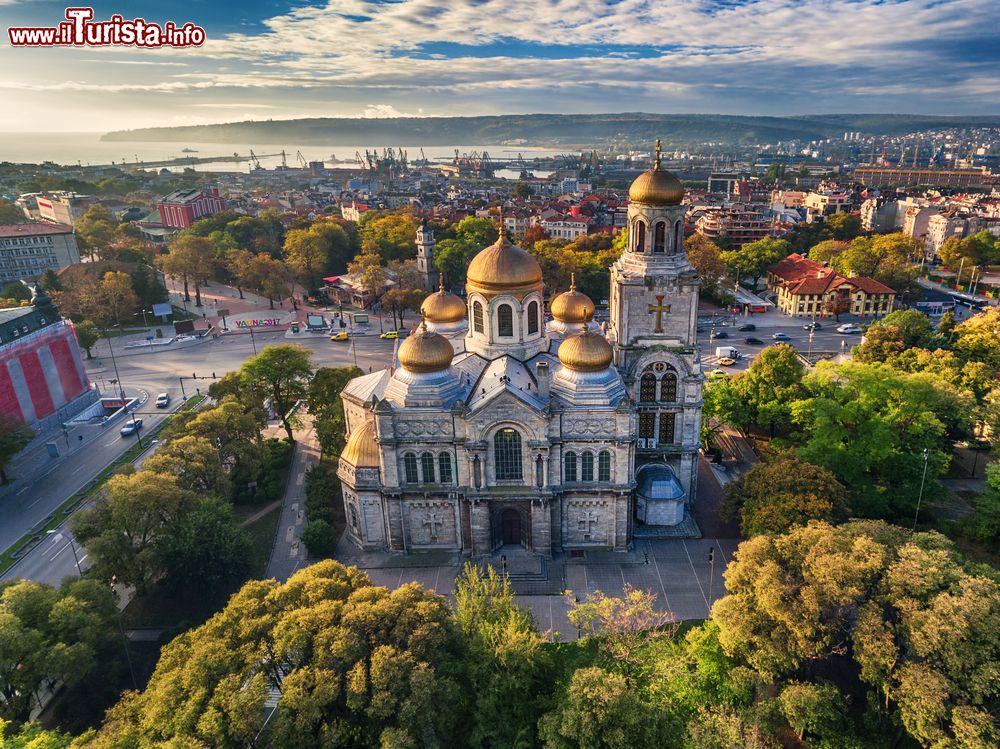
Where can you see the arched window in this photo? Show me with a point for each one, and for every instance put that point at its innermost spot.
(678, 237)
(505, 321)
(667, 428)
(427, 467)
(539, 472)
(646, 421)
(660, 237)
(477, 472)
(640, 236)
(569, 474)
(477, 317)
(668, 386)
(604, 466)
(410, 468)
(507, 455)
(444, 468)
(354, 518)
(587, 467)
(532, 317)
(647, 388)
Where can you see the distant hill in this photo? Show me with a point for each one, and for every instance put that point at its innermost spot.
(550, 129)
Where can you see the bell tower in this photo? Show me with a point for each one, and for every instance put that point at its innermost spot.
(425, 255)
(653, 326)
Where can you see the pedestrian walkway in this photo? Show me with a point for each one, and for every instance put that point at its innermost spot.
(289, 553)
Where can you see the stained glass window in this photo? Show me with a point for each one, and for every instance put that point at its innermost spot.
(507, 455)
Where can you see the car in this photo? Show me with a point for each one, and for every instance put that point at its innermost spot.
(848, 328)
(726, 361)
(753, 341)
(343, 335)
(779, 336)
(131, 427)
(748, 327)
(162, 400)
(812, 326)
(389, 335)
(718, 374)
(719, 334)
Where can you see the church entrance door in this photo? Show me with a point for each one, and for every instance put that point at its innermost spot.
(510, 522)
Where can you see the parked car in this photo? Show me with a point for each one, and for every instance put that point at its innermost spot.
(389, 335)
(753, 341)
(748, 327)
(812, 326)
(726, 361)
(162, 400)
(718, 334)
(131, 427)
(343, 335)
(779, 336)
(849, 328)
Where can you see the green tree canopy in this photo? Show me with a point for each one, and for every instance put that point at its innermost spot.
(283, 373)
(752, 260)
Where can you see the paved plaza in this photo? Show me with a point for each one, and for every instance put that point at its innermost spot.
(676, 570)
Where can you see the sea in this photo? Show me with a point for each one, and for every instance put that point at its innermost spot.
(87, 149)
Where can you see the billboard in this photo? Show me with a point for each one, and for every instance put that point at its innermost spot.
(184, 326)
(315, 321)
(162, 309)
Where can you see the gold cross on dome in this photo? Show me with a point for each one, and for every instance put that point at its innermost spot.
(659, 308)
(659, 150)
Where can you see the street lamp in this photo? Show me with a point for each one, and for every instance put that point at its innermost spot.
(72, 547)
(145, 323)
(920, 496)
(812, 331)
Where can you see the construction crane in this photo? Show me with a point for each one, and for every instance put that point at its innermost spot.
(301, 159)
(255, 161)
(284, 161)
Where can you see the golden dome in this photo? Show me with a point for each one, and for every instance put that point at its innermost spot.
(656, 186)
(571, 306)
(361, 450)
(443, 306)
(503, 267)
(425, 351)
(585, 352)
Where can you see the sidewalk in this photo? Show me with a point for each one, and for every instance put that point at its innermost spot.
(289, 553)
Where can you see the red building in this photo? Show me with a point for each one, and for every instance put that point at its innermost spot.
(182, 208)
(41, 372)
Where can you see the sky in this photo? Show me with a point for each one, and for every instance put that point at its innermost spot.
(284, 59)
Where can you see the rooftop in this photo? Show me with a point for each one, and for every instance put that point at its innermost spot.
(38, 229)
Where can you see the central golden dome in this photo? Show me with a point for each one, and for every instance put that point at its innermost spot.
(443, 306)
(503, 267)
(656, 186)
(571, 306)
(425, 351)
(361, 450)
(585, 352)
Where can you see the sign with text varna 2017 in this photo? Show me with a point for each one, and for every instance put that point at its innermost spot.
(266, 323)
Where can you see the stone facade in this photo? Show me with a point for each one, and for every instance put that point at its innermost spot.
(533, 434)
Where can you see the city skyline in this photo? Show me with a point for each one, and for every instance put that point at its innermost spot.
(353, 58)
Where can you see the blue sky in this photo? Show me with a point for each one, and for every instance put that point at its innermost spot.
(369, 58)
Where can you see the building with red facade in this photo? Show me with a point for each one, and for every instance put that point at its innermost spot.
(42, 379)
(182, 208)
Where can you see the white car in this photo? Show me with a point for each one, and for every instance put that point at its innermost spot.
(848, 328)
(162, 400)
(131, 427)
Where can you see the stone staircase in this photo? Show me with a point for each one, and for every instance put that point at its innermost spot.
(529, 574)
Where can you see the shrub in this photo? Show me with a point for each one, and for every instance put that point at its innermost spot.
(319, 538)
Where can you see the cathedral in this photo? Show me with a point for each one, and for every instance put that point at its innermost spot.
(497, 428)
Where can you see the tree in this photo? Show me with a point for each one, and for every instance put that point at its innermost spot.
(601, 711)
(196, 464)
(205, 548)
(816, 709)
(885, 339)
(783, 492)
(14, 437)
(975, 250)
(319, 538)
(625, 624)
(978, 338)
(370, 271)
(917, 622)
(123, 530)
(869, 425)
(270, 276)
(707, 260)
(509, 664)
(390, 236)
(356, 665)
(17, 291)
(240, 264)
(10, 213)
(754, 258)
(522, 190)
(307, 256)
(283, 372)
(532, 234)
(113, 301)
(87, 334)
(32, 736)
(95, 231)
(843, 225)
(192, 258)
(49, 635)
(827, 250)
